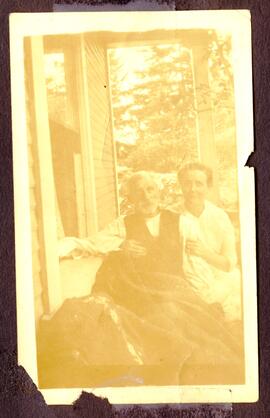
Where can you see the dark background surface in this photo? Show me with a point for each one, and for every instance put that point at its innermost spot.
(18, 395)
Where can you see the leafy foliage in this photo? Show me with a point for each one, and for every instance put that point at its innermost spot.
(158, 108)
(222, 93)
(155, 110)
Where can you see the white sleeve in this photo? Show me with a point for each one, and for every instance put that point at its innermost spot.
(228, 244)
(108, 239)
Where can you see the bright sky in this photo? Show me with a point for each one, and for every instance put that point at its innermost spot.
(131, 60)
(54, 70)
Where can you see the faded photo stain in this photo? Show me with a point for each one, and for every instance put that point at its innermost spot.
(134, 201)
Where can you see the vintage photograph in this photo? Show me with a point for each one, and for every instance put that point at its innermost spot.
(134, 211)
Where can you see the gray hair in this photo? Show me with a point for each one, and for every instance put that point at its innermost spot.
(135, 178)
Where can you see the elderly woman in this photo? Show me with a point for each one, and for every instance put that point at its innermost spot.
(143, 319)
(149, 235)
(209, 249)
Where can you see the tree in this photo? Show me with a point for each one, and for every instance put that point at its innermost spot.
(222, 94)
(157, 107)
(221, 82)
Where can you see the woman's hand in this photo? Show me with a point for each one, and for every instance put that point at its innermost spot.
(133, 248)
(199, 249)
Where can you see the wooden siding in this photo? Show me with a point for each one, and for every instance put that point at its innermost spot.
(101, 132)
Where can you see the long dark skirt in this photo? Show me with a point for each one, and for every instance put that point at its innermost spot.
(139, 328)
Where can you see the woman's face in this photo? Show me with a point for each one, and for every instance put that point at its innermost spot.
(194, 187)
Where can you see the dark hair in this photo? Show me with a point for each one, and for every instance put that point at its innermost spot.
(196, 166)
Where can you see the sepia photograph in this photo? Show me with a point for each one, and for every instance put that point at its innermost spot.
(134, 211)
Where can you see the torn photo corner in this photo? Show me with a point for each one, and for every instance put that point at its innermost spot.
(134, 210)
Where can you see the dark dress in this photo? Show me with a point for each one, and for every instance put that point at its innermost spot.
(143, 323)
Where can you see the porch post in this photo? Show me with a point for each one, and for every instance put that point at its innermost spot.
(87, 145)
(46, 178)
(205, 121)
